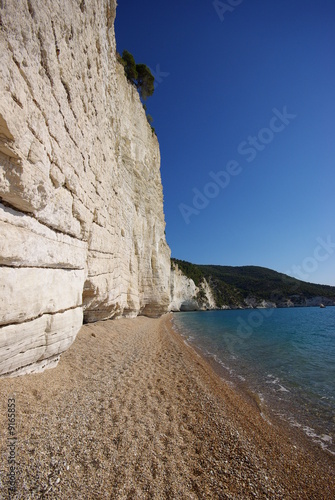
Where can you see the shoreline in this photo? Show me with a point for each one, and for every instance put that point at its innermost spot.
(132, 411)
(281, 414)
(243, 389)
(250, 308)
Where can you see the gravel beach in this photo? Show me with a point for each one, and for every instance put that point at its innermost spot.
(132, 412)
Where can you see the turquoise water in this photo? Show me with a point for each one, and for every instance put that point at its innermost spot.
(285, 356)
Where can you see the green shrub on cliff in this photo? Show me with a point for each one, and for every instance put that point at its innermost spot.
(129, 66)
(192, 271)
(138, 74)
(145, 81)
(150, 119)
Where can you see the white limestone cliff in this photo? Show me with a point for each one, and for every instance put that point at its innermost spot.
(183, 291)
(186, 296)
(209, 300)
(81, 203)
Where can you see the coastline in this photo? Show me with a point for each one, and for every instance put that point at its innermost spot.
(132, 411)
(284, 412)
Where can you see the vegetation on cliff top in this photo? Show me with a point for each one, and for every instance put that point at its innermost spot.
(231, 285)
(138, 74)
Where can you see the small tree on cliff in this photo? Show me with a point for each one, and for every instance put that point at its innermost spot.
(145, 81)
(138, 74)
(129, 66)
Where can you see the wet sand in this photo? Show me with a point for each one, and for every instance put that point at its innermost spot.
(132, 412)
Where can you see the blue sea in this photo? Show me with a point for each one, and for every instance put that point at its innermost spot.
(284, 357)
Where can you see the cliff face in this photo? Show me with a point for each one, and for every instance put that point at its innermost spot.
(186, 296)
(81, 212)
(183, 292)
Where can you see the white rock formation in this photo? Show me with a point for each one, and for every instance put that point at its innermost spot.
(183, 292)
(253, 302)
(81, 213)
(209, 302)
(266, 304)
(316, 301)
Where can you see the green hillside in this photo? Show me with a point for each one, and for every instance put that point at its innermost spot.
(232, 285)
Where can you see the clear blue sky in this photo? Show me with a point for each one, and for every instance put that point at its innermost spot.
(248, 90)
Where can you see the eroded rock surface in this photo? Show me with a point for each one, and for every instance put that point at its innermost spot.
(81, 213)
(186, 296)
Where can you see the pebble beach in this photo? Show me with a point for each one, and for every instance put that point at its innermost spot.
(132, 412)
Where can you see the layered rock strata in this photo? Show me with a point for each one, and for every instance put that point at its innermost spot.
(81, 204)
